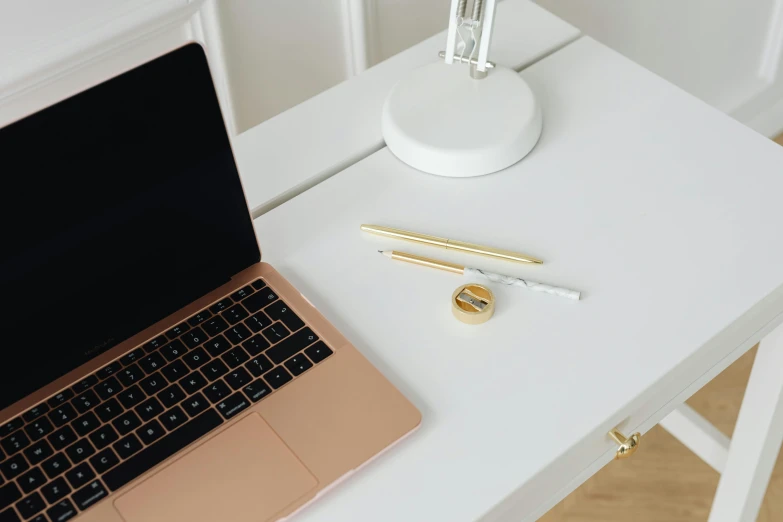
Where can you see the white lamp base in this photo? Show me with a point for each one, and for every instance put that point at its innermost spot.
(441, 121)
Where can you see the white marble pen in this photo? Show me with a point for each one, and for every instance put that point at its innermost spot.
(496, 278)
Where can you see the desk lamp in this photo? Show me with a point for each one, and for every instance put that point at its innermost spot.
(462, 116)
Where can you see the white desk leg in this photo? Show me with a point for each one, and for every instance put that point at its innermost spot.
(756, 440)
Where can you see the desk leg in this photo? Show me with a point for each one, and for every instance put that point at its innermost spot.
(756, 440)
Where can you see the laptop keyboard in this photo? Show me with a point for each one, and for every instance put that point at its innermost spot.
(69, 452)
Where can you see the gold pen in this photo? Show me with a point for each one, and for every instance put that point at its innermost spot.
(451, 244)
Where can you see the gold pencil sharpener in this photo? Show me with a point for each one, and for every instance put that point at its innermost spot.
(473, 304)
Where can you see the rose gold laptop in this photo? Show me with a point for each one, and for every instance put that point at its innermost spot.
(152, 368)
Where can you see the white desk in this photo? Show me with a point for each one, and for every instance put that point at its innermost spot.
(663, 211)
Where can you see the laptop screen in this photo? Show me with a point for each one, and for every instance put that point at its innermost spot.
(118, 206)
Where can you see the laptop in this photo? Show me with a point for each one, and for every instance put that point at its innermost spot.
(152, 367)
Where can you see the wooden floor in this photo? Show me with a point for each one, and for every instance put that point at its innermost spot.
(664, 481)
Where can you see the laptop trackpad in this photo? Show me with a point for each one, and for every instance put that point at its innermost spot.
(244, 474)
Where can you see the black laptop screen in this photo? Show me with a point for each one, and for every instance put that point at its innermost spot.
(119, 206)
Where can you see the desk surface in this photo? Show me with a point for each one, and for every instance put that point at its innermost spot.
(663, 211)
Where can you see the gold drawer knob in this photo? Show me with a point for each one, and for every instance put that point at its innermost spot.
(628, 445)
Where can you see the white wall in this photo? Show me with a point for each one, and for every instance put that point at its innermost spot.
(726, 52)
(279, 53)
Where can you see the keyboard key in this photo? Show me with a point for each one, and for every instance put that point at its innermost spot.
(55, 490)
(276, 333)
(175, 371)
(167, 446)
(154, 383)
(103, 436)
(127, 446)
(109, 370)
(193, 382)
(86, 401)
(214, 369)
(221, 305)
(277, 377)
(259, 300)
(258, 284)
(108, 410)
(15, 442)
(234, 314)
(200, 317)
(195, 404)
(32, 480)
(242, 293)
(217, 391)
(194, 337)
(56, 465)
(233, 405)
(217, 345)
(80, 475)
(259, 365)
(131, 374)
(171, 396)
(173, 350)
(85, 424)
(38, 451)
(85, 384)
(155, 344)
(257, 390)
(89, 495)
(279, 311)
(291, 346)
(9, 494)
(132, 357)
(31, 505)
(14, 466)
(62, 437)
(126, 423)
(104, 461)
(149, 409)
(61, 398)
(238, 378)
(215, 325)
(79, 451)
(235, 356)
(258, 322)
(237, 334)
(132, 396)
(255, 345)
(174, 418)
(108, 388)
(11, 426)
(33, 413)
(298, 364)
(178, 330)
(62, 415)
(10, 516)
(61, 511)
(196, 358)
(152, 363)
(39, 518)
(150, 432)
